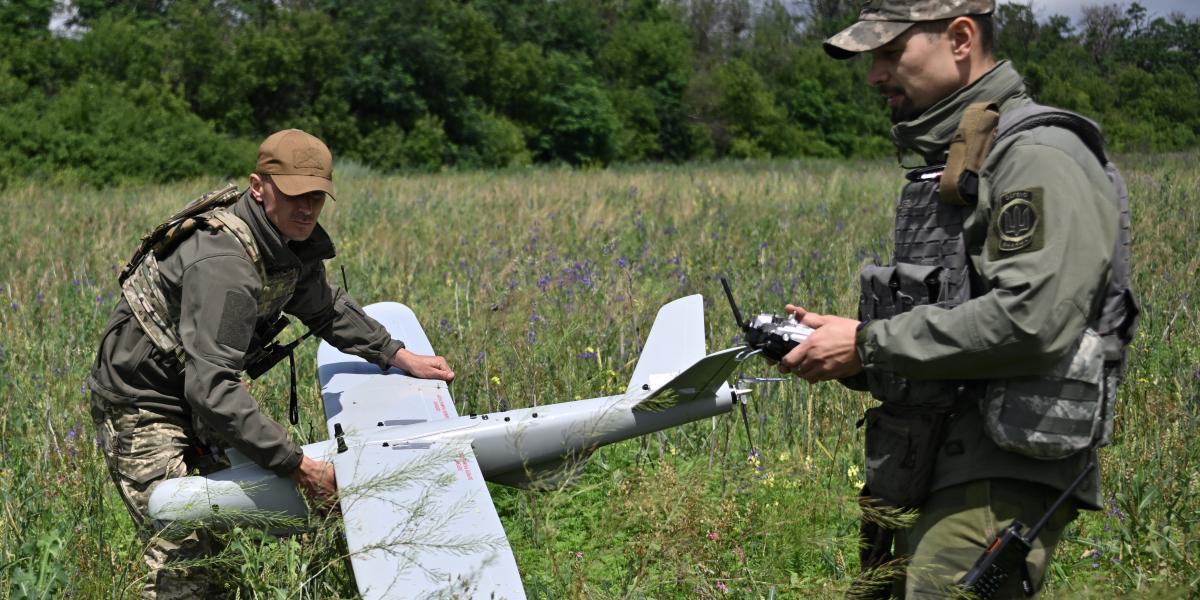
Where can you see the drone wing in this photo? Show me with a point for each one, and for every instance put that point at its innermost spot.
(419, 520)
(362, 398)
(420, 523)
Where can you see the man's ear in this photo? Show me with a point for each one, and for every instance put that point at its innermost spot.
(256, 187)
(964, 36)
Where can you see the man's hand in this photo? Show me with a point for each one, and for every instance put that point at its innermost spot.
(423, 367)
(315, 479)
(828, 353)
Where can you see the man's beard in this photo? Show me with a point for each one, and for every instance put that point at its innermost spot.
(906, 110)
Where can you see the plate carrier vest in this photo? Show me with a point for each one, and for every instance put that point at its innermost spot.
(143, 287)
(930, 264)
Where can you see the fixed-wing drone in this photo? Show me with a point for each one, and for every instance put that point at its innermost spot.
(418, 518)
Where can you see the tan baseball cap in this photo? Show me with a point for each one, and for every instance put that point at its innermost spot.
(882, 21)
(297, 162)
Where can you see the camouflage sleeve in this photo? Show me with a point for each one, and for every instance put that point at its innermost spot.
(339, 319)
(218, 309)
(1049, 219)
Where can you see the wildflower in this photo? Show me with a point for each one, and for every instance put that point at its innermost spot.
(40, 298)
(578, 555)
(446, 326)
(784, 457)
(622, 263)
(543, 282)
(83, 389)
(531, 337)
(495, 380)
(712, 536)
(671, 448)
(14, 306)
(721, 586)
(73, 433)
(852, 472)
(479, 357)
(534, 318)
(589, 354)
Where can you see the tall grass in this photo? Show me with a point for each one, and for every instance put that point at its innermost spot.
(539, 286)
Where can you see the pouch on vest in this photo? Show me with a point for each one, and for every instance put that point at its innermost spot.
(918, 285)
(878, 286)
(901, 449)
(1057, 414)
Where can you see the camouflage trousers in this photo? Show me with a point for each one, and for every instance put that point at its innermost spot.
(956, 524)
(143, 449)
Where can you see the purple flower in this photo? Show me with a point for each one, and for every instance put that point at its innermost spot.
(73, 433)
(15, 306)
(534, 318)
(531, 337)
(446, 326)
(40, 297)
(543, 282)
(622, 263)
(586, 355)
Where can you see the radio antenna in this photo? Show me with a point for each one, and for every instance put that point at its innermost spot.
(737, 314)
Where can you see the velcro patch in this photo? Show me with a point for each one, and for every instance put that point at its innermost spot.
(237, 320)
(1018, 223)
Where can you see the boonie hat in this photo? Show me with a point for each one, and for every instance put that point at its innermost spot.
(881, 21)
(297, 162)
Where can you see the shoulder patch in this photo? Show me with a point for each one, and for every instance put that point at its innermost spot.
(237, 320)
(1018, 223)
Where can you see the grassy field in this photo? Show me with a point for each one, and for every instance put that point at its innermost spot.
(539, 286)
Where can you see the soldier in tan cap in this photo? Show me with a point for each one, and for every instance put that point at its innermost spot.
(201, 299)
(995, 338)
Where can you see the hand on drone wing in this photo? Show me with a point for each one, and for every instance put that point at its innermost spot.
(828, 353)
(316, 481)
(421, 366)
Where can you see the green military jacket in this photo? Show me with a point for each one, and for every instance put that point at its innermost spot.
(213, 284)
(1028, 307)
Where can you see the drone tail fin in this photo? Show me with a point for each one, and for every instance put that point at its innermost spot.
(676, 342)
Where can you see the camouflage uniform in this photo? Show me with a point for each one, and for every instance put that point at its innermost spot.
(147, 406)
(1024, 308)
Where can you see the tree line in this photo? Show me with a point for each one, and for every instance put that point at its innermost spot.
(110, 91)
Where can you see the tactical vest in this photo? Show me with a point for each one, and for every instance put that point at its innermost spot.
(145, 290)
(1047, 417)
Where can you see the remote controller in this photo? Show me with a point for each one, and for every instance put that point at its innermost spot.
(770, 334)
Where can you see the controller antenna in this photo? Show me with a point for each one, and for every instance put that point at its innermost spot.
(737, 315)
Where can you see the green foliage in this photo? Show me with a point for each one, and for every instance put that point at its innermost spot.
(101, 133)
(581, 82)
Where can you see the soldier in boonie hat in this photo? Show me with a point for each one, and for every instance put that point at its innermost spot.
(882, 21)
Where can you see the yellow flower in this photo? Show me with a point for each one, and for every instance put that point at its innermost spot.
(784, 457)
(852, 472)
(495, 380)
